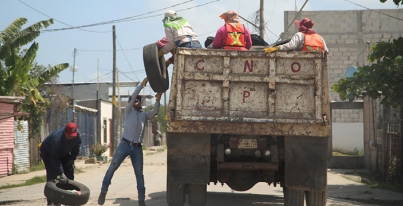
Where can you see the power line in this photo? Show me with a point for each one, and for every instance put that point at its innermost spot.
(58, 20)
(124, 54)
(106, 50)
(132, 18)
(294, 19)
(375, 11)
(127, 76)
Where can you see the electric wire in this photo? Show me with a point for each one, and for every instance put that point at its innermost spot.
(99, 77)
(292, 22)
(124, 54)
(58, 20)
(132, 18)
(376, 11)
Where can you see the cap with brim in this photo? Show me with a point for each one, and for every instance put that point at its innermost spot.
(169, 13)
(71, 129)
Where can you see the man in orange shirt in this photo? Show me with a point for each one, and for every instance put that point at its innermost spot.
(304, 40)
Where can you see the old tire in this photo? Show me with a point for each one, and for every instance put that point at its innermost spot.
(314, 198)
(279, 43)
(175, 194)
(156, 70)
(61, 193)
(293, 197)
(197, 194)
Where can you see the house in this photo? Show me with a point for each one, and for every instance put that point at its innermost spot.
(13, 144)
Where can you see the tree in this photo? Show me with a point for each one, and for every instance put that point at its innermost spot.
(395, 1)
(382, 79)
(15, 67)
(160, 116)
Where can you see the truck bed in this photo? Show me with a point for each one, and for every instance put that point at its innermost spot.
(249, 92)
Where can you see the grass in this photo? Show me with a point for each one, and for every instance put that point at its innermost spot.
(32, 181)
(38, 167)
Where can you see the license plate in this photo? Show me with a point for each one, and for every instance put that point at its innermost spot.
(247, 144)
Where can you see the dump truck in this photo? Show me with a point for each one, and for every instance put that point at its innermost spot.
(243, 117)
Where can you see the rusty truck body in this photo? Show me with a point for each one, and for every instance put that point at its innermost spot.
(243, 117)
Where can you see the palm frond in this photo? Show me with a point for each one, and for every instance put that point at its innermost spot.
(12, 29)
(51, 72)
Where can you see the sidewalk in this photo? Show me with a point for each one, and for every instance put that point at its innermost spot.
(79, 163)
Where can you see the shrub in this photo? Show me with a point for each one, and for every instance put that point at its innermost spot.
(98, 149)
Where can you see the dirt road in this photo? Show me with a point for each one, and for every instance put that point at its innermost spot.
(123, 189)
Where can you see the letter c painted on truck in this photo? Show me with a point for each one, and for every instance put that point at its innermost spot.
(197, 64)
(246, 94)
(295, 70)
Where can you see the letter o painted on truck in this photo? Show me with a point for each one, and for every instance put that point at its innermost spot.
(293, 69)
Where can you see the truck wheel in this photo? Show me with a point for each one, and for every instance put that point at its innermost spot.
(293, 197)
(156, 70)
(314, 198)
(71, 193)
(175, 194)
(197, 194)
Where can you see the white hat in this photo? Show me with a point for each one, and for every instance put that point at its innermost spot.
(170, 13)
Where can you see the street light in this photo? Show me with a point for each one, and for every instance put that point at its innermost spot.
(73, 69)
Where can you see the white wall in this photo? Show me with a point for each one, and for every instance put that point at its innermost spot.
(348, 136)
(105, 112)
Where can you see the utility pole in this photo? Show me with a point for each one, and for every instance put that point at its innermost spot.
(114, 90)
(72, 88)
(261, 27)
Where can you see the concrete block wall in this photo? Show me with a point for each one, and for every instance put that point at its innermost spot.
(346, 34)
(347, 116)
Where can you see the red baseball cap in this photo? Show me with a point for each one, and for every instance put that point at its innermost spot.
(71, 129)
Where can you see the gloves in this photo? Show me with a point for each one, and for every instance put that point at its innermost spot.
(63, 179)
(161, 53)
(158, 96)
(270, 49)
(144, 82)
(167, 63)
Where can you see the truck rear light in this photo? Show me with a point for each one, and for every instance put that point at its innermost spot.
(227, 151)
(261, 143)
(233, 142)
(267, 153)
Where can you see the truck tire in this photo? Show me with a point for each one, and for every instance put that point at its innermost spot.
(175, 194)
(156, 70)
(314, 198)
(197, 194)
(293, 197)
(62, 193)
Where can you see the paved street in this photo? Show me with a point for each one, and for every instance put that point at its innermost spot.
(123, 189)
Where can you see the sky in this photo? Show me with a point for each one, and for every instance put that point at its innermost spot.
(143, 25)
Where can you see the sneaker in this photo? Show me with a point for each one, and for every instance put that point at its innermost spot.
(142, 203)
(101, 198)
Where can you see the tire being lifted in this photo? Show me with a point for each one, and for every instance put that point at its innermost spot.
(156, 70)
(64, 194)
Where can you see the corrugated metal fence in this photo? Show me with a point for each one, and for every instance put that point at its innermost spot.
(21, 147)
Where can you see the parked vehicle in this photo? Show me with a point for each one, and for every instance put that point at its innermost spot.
(243, 117)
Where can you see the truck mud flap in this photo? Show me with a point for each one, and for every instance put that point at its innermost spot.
(306, 163)
(188, 158)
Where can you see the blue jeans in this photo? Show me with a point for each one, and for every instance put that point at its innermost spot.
(52, 174)
(136, 156)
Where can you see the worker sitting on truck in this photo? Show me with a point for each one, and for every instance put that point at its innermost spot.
(232, 35)
(304, 40)
(161, 43)
(178, 32)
